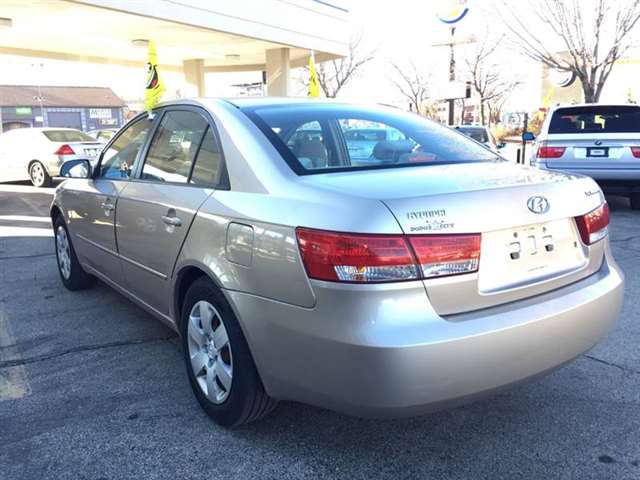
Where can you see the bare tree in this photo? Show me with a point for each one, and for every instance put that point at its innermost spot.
(413, 85)
(333, 75)
(491, 85)
(594, 38)
(496, 105)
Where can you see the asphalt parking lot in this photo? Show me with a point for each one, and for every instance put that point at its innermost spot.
(92, 387)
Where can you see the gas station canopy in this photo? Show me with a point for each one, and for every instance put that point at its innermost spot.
(194, 36)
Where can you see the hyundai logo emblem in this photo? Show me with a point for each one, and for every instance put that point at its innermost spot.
(538, 204)
(598, 142)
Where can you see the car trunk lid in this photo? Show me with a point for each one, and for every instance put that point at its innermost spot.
(515, 209)
(89, 150)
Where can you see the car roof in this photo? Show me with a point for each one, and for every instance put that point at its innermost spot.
(587, 105)
(252, 102)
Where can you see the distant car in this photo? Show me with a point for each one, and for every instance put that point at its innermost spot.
(435, 273)
(481, 134)
(103, 135)
(36, 154)
(600, 141)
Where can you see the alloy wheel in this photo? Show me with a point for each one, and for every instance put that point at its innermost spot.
(210, 352)
(64, 252)
(37, 174)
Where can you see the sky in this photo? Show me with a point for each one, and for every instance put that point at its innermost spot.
(401, 31)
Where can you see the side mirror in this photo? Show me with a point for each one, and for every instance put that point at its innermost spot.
(528, 137)
(501, 145)
(80, 168)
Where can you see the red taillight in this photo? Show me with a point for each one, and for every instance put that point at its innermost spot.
(348, 257)
(65, 150)
(594, 225)
(545, 151)
(440, 255)
(345, 257)
(635, 151)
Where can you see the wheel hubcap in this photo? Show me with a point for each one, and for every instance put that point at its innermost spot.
(210, 352)
(63, 251)
(37, 174)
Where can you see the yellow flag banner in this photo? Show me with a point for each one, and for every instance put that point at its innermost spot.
(155, 87)
(314, 84)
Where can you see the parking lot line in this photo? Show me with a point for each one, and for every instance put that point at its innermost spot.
(24, 218)
(13, 380)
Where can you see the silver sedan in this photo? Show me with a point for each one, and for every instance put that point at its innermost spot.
(425, 274)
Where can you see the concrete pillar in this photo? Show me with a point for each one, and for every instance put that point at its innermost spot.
(194, 75)
(278, 82)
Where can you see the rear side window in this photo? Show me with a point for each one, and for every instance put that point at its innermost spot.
(318, 138)
(596, 119)
(67, 136)
(174, 147)
(207, 167)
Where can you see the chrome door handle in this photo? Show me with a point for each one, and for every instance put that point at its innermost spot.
(175, 221)
(110, 207)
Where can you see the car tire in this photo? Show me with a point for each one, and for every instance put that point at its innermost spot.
(38, 175)
(635, 201)
(220, 367)
(71, 272)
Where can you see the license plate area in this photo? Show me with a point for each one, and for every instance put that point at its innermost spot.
(517, 257)
(598, 152)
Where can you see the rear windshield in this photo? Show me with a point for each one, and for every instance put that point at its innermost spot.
(478, 134)
(330, 137)
(596, 119)
(68, 136)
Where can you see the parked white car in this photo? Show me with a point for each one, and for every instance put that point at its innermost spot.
(36, 154)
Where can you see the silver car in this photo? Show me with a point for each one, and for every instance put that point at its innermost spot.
(36, 154)
(438, 274)
(601, 141)
(481, 134)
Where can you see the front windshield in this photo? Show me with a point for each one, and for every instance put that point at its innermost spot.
(319, 138)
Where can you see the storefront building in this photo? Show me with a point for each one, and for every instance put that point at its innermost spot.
(84, 108)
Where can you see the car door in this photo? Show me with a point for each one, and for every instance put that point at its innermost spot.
(90, 204)
(155, 211)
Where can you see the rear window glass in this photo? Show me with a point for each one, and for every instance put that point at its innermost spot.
(331, 137)
(478, 134)
(596, 119)
(67, 136)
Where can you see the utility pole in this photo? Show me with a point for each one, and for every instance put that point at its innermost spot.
(452, 75)
(39, 98)
(451, 43)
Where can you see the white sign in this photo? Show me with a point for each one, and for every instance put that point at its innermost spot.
(99, 113)
(454, 90)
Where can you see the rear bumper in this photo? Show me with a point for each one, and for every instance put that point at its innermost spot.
(384, 352)
(621, 181)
